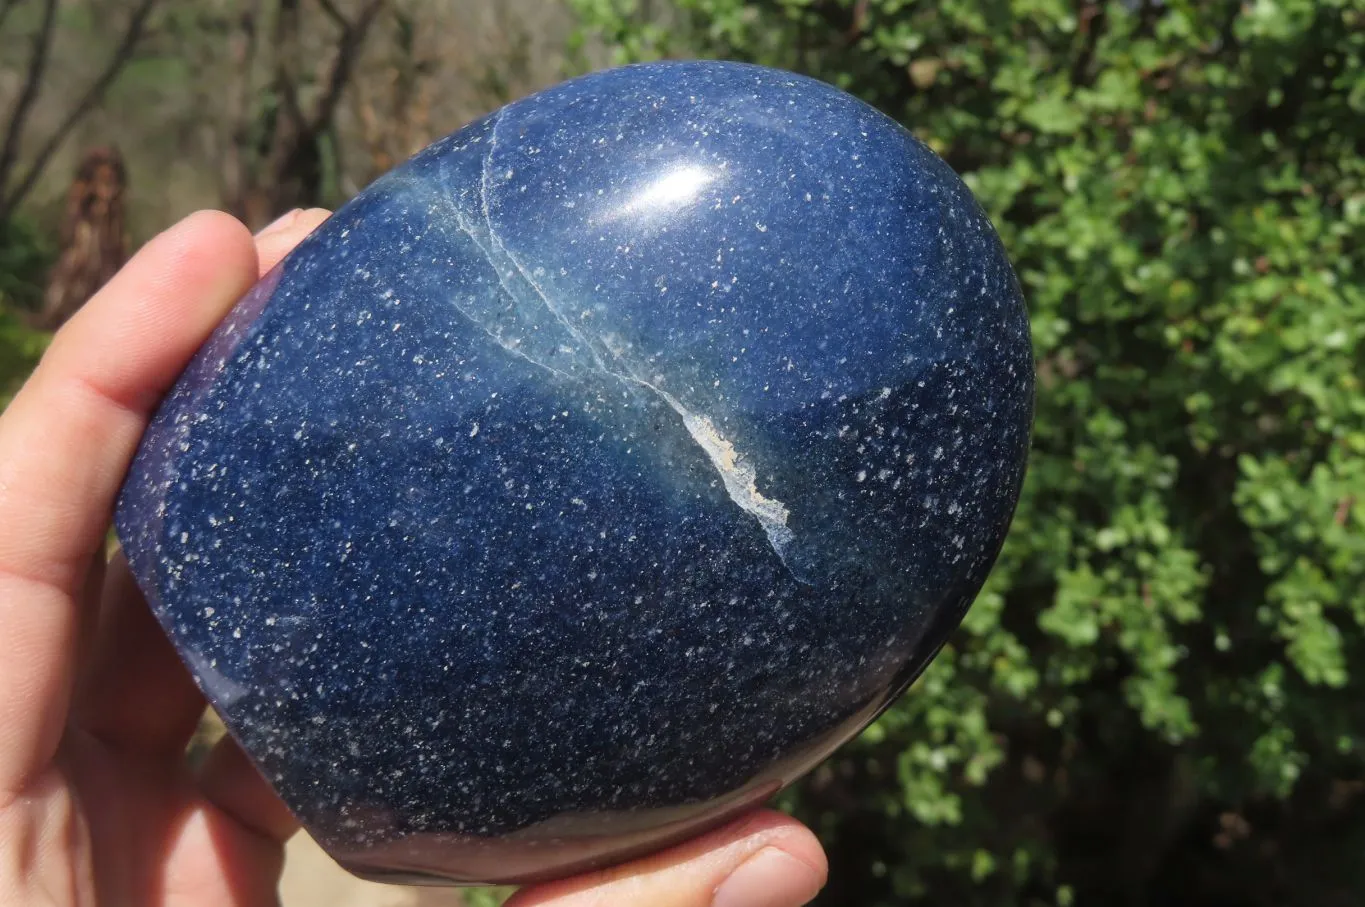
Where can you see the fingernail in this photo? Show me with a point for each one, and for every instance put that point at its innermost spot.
(770, 878)
(280, 222)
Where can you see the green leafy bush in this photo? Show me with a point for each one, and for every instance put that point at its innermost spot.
(24, 259)
(1159, 698)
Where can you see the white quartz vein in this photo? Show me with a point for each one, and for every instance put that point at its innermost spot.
(512, 259)
(737, 475)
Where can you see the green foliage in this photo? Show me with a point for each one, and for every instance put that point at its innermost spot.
(24, 259)
(20, 348)
(25, 255)
(485, 897)
(1158, 698)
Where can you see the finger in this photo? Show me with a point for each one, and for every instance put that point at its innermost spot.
(212, 861)
(278, 239)
(136, 694)
(230, 782)
(765, 860)
(65, 443)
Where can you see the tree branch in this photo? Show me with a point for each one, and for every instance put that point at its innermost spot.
(28, 94)
(236, 134)
(88, 101)
(1091, 23)
(347, 49)
(287, 54)
(334, 13)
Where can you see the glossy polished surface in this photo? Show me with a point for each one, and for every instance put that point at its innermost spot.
(592, 475)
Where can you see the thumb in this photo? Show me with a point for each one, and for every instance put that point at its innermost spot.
(764, 860)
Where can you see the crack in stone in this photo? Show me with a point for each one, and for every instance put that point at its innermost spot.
(512, 344)
(737, 475)
(496, 242)
(489, 325)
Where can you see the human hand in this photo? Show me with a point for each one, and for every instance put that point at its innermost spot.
(97, 803)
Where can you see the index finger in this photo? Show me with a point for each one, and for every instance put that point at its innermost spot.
(65, 443)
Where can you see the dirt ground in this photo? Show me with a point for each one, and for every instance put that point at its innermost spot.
(311, 879)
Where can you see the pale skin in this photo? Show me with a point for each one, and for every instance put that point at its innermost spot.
(97, 803)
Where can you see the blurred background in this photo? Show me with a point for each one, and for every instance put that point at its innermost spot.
(1159, 699)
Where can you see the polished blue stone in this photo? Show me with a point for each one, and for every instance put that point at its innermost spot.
(592, 475)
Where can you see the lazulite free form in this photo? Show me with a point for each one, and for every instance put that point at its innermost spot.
(594, 474)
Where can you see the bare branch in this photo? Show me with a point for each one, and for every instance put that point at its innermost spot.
(88, 101)
(287, 57)
(28, 94)
(287, 170)
(1091, 23)
(334, 13)
(351, 40)
(236, 135)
